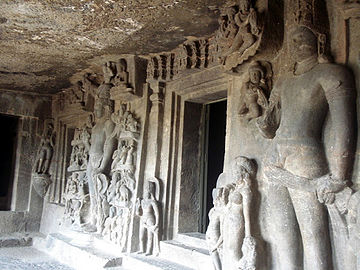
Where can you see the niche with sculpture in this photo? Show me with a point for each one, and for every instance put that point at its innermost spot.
(148, 210)
(41, 176)
(99, 195)
(256, 91)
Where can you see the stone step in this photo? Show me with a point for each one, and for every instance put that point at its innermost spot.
(15, 240)
(194, 239)
(82, 252)
(187, 255)
(134, 261)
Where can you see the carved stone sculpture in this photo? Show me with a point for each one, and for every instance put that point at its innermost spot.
(41, 176)
(81, 147)
(116, 199)
(229, 238)
(102, 145)
(305, 98)
(239, 31)
(46, 149)
(236, 224)
(148, 210)
(76, 196)
(255, 95)
(122, 75)
(214, 230)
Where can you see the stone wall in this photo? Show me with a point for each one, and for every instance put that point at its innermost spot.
(31, 110)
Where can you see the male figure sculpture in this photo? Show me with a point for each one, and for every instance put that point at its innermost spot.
(298, 219)
(46, 150)
(102, 146)
(148, 211)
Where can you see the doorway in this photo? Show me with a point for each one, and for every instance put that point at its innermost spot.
(7, 159)
(213, 154)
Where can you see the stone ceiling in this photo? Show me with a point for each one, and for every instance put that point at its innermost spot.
(44, 42)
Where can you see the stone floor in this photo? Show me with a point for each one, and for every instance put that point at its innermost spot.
(28, 258)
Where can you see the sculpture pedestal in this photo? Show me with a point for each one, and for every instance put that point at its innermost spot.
(41, 183)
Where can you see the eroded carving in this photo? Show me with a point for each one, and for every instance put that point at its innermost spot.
(161, 67)
(296, 159)
(229, 237)
(239, 34)
(76, 197)
(102, 145)
(256, 91)
(118, 197)
(41, 175)
(123, 88)
(81, 146)
(148, 210)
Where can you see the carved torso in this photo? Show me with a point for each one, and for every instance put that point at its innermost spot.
(98, 138)
(304, 103)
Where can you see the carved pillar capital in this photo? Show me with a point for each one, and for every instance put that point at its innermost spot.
(158, 91)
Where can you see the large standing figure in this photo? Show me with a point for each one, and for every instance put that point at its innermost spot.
(299, 223)
(102, 144)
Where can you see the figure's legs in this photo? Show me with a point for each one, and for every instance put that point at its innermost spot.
(91, 226)
(314, 227)
(141, 238)
(39, 166)
(149, 242)
(216, 259)
(46, 166)
(248, 40)
(236, 45)
(283, 229)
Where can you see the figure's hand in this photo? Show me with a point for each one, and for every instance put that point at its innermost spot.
(137, 203)
(155, 228)
(326, 188)
(97, 171)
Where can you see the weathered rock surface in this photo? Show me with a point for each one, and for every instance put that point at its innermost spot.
(43, 42)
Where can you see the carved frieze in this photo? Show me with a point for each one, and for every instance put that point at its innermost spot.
(161, 67)
(239, 34)
(76, 199)
(81, 146)
(119, 195)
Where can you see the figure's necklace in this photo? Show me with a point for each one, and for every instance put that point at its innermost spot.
(305, 65)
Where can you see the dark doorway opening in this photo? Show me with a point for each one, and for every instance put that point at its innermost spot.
(214, 151)
(8, 140)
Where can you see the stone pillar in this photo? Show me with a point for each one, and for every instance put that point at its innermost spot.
(154, 134)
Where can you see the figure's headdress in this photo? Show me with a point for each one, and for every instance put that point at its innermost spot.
(245, 163)
(311, 14)
(255, 66)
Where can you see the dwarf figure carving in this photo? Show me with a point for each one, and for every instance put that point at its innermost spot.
(254, 99)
